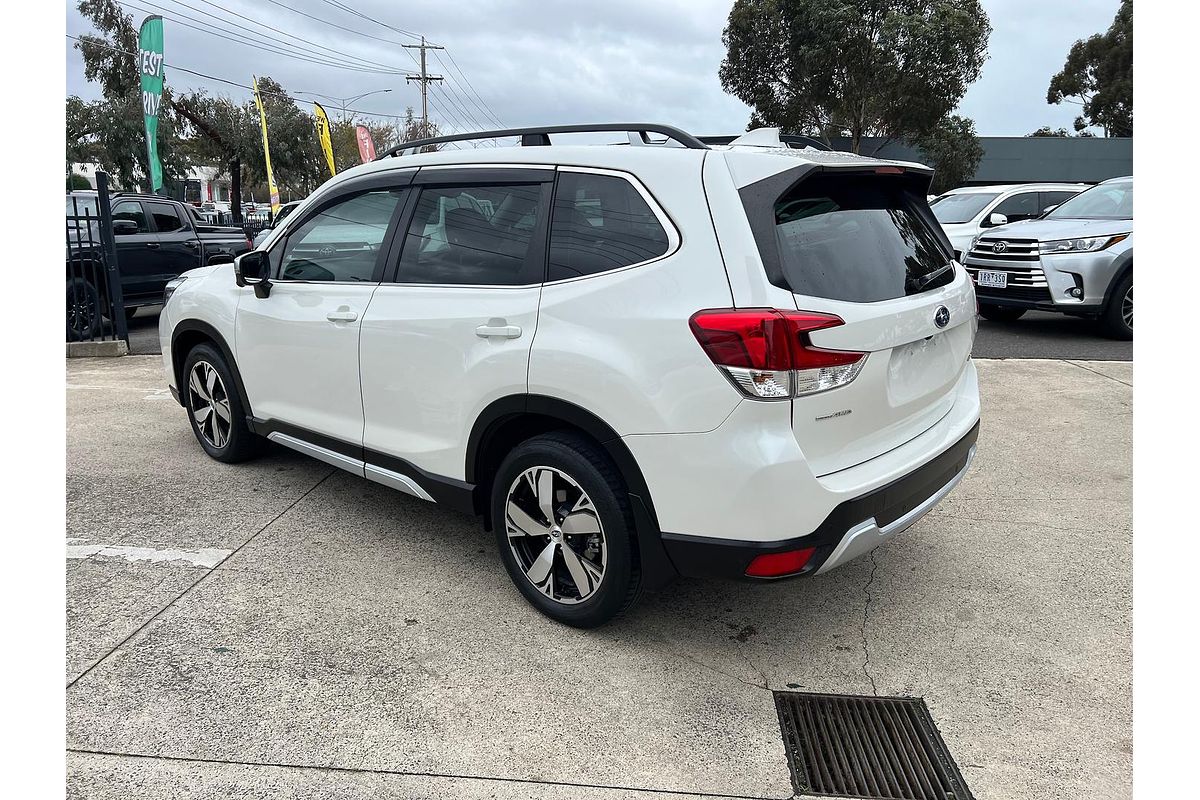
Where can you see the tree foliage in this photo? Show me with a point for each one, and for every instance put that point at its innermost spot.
(1046, 131)
(953, 150)
(1098, 75)
(856, 68)
(106, 130)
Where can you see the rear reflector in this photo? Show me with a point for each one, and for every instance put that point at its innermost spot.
(775, 565)
(767, 353)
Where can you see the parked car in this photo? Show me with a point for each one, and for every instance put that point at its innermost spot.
(156, 239)
(1076, 260)
(265, 231)
(965, 213)
(632, 362)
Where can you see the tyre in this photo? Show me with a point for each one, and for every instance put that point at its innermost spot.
(1117, 320)
(565, 530)
(84, 319)
(1000, 313)
(214, 408)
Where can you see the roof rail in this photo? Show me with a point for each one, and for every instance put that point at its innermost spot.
(540, 136)
(787, 139)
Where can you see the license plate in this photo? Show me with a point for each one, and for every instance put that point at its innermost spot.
(993, 280)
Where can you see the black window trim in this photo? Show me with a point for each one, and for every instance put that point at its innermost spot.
(396, 180)
(674, 236)
(449, 175)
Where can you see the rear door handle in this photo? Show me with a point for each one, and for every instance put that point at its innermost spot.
(152, 245)
(192, 243)
(343, 314)
(498, 331)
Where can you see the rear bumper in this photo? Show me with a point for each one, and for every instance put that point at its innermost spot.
(852, 529)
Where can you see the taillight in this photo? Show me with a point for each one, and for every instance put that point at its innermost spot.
(776, 565)
(768, 353)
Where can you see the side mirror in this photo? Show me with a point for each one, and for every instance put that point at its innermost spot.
(997, 219)
(124, 227)
(253, 269)
(220, 258)
(1049, 209)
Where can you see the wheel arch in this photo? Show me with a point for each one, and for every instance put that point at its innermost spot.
(1118, 276)
(192, 332)
(509, 420)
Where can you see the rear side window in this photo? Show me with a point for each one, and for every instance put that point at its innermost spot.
(859, 239)
(166, 219)
(474, 235)
(600, 222)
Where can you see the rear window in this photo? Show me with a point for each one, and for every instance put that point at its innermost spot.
(859, 239)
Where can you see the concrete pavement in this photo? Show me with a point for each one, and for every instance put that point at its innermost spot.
(279, 628)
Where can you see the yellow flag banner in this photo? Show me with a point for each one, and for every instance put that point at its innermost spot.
(262, 117)
(323, 135)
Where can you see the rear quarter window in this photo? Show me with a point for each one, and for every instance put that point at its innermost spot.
(855, 238)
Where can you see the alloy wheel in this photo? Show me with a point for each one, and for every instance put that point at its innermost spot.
(1127, 307)
(555, 535)
(209, 403)
(81, 312)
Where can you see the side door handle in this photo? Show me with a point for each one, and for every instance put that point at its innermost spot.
(192, 243)
(152, 245)
(343, 314)
(496, 328)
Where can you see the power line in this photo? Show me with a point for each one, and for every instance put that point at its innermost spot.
(279, 31)
(261, 44)
(462, 75)
(230, 82)
(462, 108)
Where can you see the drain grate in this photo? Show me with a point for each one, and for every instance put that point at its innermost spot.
(883, 748)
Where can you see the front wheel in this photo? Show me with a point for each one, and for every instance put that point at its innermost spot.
(565, 529)
(1117, 320)
(1000, 313)
(214, 408)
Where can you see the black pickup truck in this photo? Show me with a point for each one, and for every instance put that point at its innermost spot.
(156, 240)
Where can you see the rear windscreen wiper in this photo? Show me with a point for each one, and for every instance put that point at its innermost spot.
(925, 280)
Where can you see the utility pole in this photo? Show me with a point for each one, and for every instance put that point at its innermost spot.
(424, 79)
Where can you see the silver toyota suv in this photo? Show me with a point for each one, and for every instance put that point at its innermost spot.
(1077, 259)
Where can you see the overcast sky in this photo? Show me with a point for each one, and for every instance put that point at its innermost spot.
(539, 62)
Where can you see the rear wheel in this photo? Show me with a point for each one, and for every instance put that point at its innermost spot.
(214, 409)
(1117, 319)
(83, 310)
(565, 529)
(1000, 313)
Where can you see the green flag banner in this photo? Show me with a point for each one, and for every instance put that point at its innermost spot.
(150, 63)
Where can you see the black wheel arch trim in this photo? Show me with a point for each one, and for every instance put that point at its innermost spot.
(1126, 269)
(657, 569)
(211, 333)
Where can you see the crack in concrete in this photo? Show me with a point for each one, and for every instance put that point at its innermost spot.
(711, 668)
(1094, 372)
(863, 631)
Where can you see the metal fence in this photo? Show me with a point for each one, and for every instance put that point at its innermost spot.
(95, 308)
(251, 224)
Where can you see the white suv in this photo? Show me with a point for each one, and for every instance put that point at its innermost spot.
(634, 362)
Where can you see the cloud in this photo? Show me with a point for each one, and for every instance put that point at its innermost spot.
(550, 62)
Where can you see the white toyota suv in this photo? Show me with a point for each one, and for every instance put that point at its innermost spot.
(633, 362)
